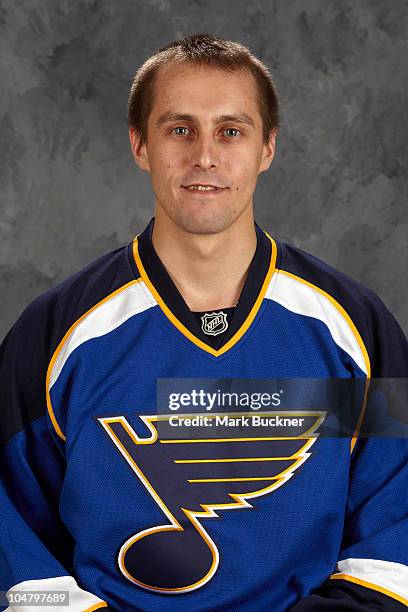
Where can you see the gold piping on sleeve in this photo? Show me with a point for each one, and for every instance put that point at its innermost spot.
(96, 606)
(370, 585)
(102, 604)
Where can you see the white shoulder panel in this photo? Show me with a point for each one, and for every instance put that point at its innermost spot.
(301, 298)
(107, 316)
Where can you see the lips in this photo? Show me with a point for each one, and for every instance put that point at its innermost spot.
(203, 188)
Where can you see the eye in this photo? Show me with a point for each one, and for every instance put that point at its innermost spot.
(178, 130)
(232, 130)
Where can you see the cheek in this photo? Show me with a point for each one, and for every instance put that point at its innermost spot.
(240, 168)
(241, 177)
(169, 159)
(163, 167)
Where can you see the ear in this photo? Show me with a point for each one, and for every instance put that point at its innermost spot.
(269, 151)
(139, 151)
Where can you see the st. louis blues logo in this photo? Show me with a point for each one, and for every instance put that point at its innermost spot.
(214, 323)
(191, 479)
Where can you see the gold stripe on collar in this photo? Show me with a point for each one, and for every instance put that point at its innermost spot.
(183, 329)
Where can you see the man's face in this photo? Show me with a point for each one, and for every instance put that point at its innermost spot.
(204, 129)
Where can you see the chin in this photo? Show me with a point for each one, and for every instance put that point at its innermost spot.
(202, 222)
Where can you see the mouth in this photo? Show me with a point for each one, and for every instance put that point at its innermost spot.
(203, 189)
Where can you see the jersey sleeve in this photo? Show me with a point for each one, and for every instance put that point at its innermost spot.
(36, 549)
(372, 567)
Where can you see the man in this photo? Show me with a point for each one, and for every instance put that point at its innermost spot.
(101, 499)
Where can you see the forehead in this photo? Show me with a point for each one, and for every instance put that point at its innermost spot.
(201, 90)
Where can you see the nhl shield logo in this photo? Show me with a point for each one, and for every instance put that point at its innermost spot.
(214, 323)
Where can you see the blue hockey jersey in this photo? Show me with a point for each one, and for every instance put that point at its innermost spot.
(97, 503)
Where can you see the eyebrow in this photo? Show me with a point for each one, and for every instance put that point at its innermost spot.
(238, 118)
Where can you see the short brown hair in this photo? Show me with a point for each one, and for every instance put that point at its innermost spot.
(205, 50)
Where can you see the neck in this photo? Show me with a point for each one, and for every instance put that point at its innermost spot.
(209, 270)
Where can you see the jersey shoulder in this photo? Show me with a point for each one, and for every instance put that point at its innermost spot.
(65, 302)
(381, 334)
(28, 347)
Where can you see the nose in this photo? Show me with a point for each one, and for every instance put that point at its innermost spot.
(204, 153)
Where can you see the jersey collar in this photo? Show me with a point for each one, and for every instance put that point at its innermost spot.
(171, 302)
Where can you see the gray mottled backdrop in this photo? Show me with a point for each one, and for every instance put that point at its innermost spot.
(70, 190)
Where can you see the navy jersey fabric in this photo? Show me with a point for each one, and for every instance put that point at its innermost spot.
(96, 503)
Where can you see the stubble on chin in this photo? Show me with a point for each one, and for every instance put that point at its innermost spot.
(203, 222)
